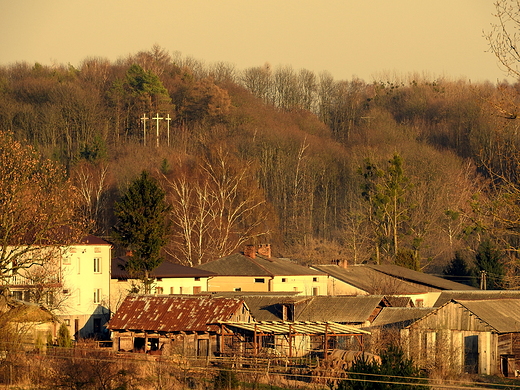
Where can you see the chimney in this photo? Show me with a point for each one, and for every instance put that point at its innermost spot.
(265, 250)
(250, 251)
(342, 263)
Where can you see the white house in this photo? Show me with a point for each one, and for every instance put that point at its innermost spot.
(74, 282)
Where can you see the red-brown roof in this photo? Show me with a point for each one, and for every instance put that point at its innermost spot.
(173, 313)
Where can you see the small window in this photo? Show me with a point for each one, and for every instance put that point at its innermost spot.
(97, 295)
(196, 289)
(159, 279)
(238, 289)
(158, 290)
(97, 250)
(72, 250)
(315, 279)
(97, 264)
(197, 279)
(259, 280)
(172, 290)
(66, 260)
(284, 280)
(65, 292)
(67, 321)
(18, 295)
(180, 290)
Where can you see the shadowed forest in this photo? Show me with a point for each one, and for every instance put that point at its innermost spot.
(406, 170)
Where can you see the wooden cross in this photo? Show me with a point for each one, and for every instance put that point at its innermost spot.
(168, 131)
(144, 119)
(157, 119)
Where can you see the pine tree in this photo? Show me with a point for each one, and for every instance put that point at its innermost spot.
(459, 271)
(142, 226)
(488, 260)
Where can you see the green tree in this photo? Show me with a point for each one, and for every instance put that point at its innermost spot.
(64, 339)
(458, 270)
(142, 226)
(385, 190)
(395, 372)
(488, 261)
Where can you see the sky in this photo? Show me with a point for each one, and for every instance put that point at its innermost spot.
(366, 39)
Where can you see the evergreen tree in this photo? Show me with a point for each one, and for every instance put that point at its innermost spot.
(64, 339)
(142, 226)
(394, 367)
(488, 260)
(459, 271)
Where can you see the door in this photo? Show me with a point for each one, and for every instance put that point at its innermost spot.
(471, 354)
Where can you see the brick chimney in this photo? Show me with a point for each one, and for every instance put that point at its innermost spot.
(265, 250)
(340, 263)
(250, 251)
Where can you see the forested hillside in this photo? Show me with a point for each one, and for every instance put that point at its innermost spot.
(405, 170)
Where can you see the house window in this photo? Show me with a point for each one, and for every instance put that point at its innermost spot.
(66, 260)
(72, 250)
(78, 295)
(97, 295)
(259, 280)
(97, 250)
(287, 312)
(284, 280)
(237, 289)
(158, 290)
(27, 296)
(18, 295)
(97, 264)
(180, 290)
(196, 289)
(197, 279)
(314, 279)
(172, 290)
(67, 321)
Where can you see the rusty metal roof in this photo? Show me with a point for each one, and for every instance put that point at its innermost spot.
(297, 327)
(165, 313)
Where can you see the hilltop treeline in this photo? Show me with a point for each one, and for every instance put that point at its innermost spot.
(403, 170)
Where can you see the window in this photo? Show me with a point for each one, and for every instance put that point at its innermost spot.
(172, 290)
(314, 279)
(66, 260)
(72, 250)
(284, 280)
(259, 280)
(158, 290)
(18, 295)
(67, 321)
(97, 264)
(97, 295)
(197, 279)
(419, 303)
(196, 289)
(238, 289)
(180, 290)
(97, 250)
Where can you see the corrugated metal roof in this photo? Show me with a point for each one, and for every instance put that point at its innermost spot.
(239, 265)
(447, 296)
(400, 316)
(297, 327)
(501, 314)
(164, 270)
(346, 309)
(173, 313)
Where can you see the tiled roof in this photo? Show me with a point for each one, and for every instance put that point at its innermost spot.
(93, 240)
(165, 270)
(239, 265)
(173, 313)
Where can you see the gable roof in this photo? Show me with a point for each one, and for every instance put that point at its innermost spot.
(501, 314)
(173, 313)
(240, 265)
(400, 316)
(447, 296)
(268, 308)
(389, 279)
(164, 270)
(92, 240)
(496, 315)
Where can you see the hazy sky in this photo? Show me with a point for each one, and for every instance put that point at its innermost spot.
(348, 38)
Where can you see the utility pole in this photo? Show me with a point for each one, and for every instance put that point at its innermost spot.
(168, 127)
(157, 119)
(483, 281)
(144, 119)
